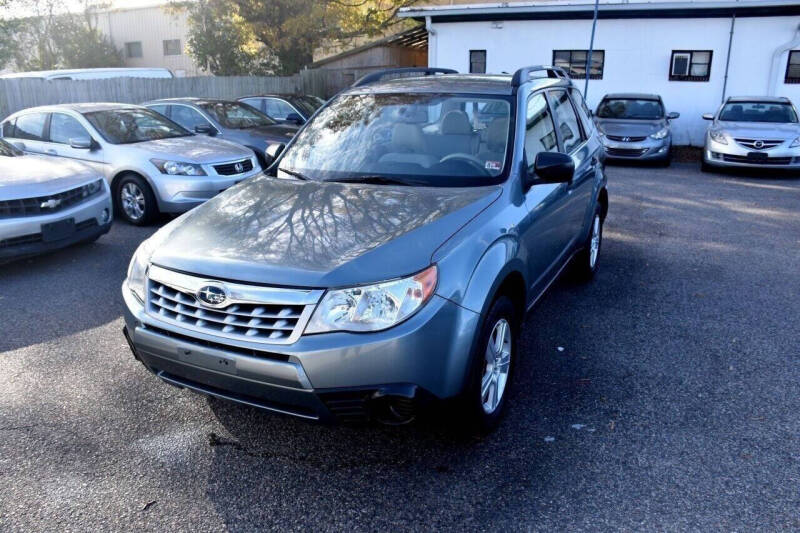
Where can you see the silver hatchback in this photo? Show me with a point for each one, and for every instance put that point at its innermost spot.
(756, 131)
(152, 164)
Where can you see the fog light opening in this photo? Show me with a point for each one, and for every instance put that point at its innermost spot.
(393, 410)
(104, 216)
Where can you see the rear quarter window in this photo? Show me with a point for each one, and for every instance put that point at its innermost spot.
(30, 127)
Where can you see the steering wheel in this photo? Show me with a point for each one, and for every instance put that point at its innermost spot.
(467, 158)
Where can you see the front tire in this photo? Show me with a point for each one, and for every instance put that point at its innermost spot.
(493, 361)
(586, 261)
(135, 200)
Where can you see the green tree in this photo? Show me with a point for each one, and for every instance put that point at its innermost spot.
(81, 45)
(253, 36)
(220, 41)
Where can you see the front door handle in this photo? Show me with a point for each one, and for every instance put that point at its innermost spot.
(51, 151)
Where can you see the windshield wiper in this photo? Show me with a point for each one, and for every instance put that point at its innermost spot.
(377, 180)
(294, 174)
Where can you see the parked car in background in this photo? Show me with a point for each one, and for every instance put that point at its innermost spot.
(757, 131)
(379, 266)
(47, 204)
(635, 126)
(226, 119)
(286, 108)
(152, 164)
(92, 73)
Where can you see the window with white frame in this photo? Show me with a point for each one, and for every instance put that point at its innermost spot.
(690, 65)
(793, 67)
(133, 49)
(172, 47)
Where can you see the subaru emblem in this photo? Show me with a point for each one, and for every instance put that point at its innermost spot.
(239, 168)
(213, 295)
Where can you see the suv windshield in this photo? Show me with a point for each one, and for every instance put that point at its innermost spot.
(425, 139)
(630, 108)
(757, 112)
(8, 150)
(133, 125)
(236, 116)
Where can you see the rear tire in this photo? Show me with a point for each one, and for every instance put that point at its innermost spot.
(586, 261)
(492, 368)
(705, 167)
(134, 200)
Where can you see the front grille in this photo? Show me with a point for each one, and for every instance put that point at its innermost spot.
(763, 144)
(45, 205)
(626, 139)
(230, 169)
(32, 238)
(260, 322)
(759, 161)
(626, 152)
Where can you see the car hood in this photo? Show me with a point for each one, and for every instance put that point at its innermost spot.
(760, 130)
(262, 136)
(630, 128)
(30, 176)
(312, 234)
(193, 149)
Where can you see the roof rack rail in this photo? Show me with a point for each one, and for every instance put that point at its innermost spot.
(400, 72)
(522, 75)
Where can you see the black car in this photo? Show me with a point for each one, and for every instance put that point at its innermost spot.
(231, 120)
(286, 108)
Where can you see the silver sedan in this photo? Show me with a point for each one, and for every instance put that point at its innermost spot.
(753, 132)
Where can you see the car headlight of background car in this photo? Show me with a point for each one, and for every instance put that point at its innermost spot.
(717, 136)
(373, 307)
(795, 143)
(178, 168)
(92, 188)
(660, 134)
(137, 270)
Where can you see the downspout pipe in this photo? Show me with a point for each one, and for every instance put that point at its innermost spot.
(728, 59)
(433, 42)
(774, 67)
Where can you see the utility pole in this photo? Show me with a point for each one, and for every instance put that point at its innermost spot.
(591, 48)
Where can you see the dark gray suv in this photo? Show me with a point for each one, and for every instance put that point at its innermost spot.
(387, 258)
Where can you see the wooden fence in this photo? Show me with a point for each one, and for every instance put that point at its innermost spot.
(22, 93)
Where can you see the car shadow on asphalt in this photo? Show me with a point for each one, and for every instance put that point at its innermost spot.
(74, 289)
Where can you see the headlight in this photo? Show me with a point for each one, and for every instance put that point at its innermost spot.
(137, 270)
(717, 136)
(795, 143)
(92, 188)
(373, 307)
(660, 134)
(177, 168)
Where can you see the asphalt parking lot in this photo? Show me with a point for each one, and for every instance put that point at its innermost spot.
(663, 396)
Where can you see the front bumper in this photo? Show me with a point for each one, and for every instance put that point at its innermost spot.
(22, 237)
(734, 155)
(647, 150)
(332, 376)
(178, 194)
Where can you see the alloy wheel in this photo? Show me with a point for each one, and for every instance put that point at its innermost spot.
(594, 244)
(132, 199)
(497, 364)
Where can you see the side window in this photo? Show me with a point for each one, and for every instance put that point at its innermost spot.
(187, 117)
(160, 108)
(254, 102)
(583, 110)
(8, 128)
(64, 127)
(31, 127)
(278, 109)
(566, 121)
(540, 134)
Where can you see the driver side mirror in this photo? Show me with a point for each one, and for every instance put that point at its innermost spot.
(295, 118)
(708, 116)
(80, 143)
(551, 167)
(273, 151)
(673, 115)
(205, 129)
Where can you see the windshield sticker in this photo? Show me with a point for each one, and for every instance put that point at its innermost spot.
(494, 165)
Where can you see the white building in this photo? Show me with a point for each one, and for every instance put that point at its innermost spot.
(150, 35)
(692, 53)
